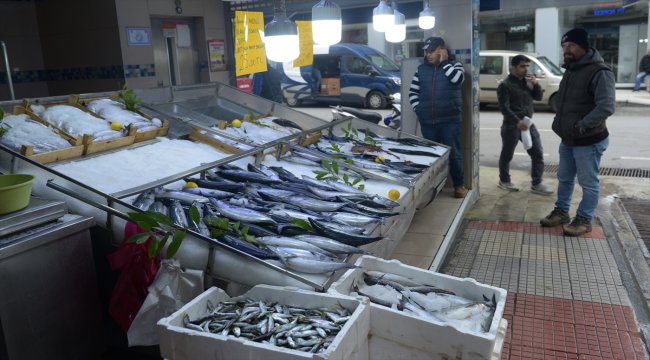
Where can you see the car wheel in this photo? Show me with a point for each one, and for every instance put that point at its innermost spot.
(552, 102)
(292, 101)
(376, 100)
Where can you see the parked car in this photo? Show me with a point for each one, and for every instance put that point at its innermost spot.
(495, 67)
(349, 73)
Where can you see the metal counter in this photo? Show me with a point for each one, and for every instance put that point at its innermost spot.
(49, 300)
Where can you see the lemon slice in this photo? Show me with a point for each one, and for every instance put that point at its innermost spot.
(393, 194)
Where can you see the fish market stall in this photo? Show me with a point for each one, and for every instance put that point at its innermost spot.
(94, 185)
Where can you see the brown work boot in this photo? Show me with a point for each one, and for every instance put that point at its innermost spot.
(578, 226)
(460, 192)
(555, 218)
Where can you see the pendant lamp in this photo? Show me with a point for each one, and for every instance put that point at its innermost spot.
(383, 16)
(281, 36)
(397, 32)
(326, 23)
(427, 19)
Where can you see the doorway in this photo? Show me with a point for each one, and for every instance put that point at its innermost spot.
(175, 51)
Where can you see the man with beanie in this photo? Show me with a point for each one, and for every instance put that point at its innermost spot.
(435, 95)
(586, 99)
(516, 94)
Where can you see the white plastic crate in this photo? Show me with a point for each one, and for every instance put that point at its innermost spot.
(179, 343)
(397, 334)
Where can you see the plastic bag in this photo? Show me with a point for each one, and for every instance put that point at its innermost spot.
(172, 288)
(525, 135)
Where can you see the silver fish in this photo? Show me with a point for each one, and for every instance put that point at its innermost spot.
(145, 200)
(159, 207)
(292, 214)
(311, 266)
(287, 242)
(184, 197)
(312, 204)
(177, 214)
(352, 219)
(208, 192)
(330, 245)
(240, 213)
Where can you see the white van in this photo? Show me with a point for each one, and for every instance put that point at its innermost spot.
(495, 67)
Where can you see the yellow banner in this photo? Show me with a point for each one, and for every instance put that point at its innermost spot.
(306, 56)
(250, 55)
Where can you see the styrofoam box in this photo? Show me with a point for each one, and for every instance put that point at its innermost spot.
(397, 334)
(179, 343)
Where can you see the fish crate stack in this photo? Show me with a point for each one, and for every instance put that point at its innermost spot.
(178, 342)
(397, 334)
(76, 148)
(108, 108)
(91, 144)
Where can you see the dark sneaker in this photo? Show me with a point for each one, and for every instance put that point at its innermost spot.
(541, 189)
(460, 192)
(578, 226)
(555, 218)
(508, 186)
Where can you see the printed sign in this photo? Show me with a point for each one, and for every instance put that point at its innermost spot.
(138, 36)
(306, 56)
(217, 54)
(250, 55)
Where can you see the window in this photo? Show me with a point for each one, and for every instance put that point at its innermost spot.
(491, 65)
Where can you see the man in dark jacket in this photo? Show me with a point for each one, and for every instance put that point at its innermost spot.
(516, 94)
(435, 95)
(586, 98)
(644, 70)
(268, 84)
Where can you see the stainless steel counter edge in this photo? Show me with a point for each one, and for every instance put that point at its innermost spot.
(47, 235)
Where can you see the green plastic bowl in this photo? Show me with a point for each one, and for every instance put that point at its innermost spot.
(15, 190)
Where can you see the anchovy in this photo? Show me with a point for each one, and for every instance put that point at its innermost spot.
(240, 213)
(209, 192)
(413, 152)
(177, 214)
(330, 244)
(350, 239)
(247, 176)
(184, 197)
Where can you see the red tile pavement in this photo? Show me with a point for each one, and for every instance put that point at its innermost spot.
(551, 328)
(531, 228)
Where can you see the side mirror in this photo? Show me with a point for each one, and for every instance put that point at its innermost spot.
(540, 74)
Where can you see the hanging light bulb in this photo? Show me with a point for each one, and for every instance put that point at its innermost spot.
(326, 23)
(427, 19)
(397, 32)
(382, 17)
(281, 36)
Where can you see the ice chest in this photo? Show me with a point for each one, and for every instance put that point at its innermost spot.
(396, 334)
(179, 343)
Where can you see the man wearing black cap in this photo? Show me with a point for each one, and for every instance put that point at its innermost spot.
(586, 99)
(435, 95)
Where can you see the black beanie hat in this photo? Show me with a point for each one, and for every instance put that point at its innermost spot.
(578, 36)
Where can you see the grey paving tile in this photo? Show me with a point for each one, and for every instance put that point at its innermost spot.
(601, 293)
(500, 271)
(544, 278)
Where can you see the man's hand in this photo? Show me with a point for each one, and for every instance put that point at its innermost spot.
(531, 79)
(444, 55)
(521, 125)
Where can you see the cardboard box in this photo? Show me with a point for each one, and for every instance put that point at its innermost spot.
(179, 343)
(330, 86)
(397, 334)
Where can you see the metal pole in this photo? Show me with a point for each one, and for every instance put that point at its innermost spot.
(8, 68)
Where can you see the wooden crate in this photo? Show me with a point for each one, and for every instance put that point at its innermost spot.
(197, 135)
(76, 150)
(89, 146)
(139, 136)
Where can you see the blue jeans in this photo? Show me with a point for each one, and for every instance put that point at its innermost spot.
(448, 134)
(639, 79)
(583, 162)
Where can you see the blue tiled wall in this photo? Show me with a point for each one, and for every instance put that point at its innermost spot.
(81, 73)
